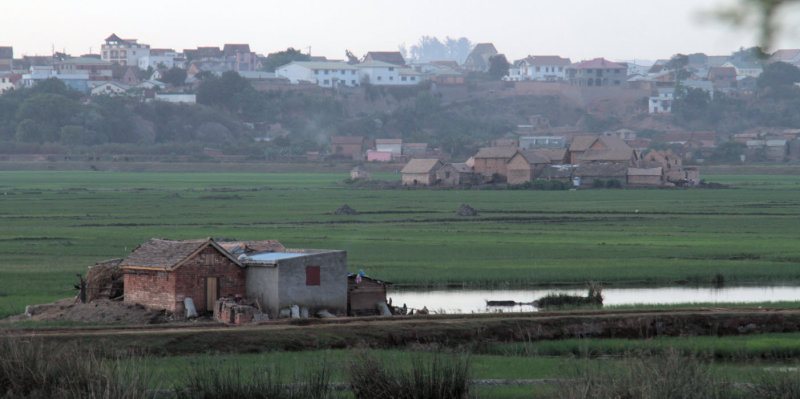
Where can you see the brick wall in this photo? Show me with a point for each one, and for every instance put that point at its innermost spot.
(167, 290)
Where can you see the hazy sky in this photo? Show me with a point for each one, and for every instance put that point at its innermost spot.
(578, 29)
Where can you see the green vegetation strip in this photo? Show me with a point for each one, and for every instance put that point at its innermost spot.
(55, 224)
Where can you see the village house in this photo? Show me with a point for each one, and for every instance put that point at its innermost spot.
(456, 174)
(110, 89)
(478, 58)
(661, 103)
(598, 72)
(359, 173)
(238, 57)
(159, 58)
(525, 165)
(10, 81)
(162, 274)
(391, 57)
(645, 176)
(492, 162)
(321, 73)
(393, 146)
(545, 68)
(346, 146)
(590, 173)
(420, 171)
(415, 149)
(590, 148)
(531, 142)
(312, 279)
(95, 69)
(364, 294)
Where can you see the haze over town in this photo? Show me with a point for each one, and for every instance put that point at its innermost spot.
(578, 29)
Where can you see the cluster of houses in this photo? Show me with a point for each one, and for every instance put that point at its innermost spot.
(584, 160)
(203, 275)
(120, 59)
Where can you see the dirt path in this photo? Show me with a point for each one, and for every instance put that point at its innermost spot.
(447, 330)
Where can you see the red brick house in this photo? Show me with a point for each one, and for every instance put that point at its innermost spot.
(162, 273)
(346, 146)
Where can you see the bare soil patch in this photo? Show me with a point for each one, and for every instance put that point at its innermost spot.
(97, 311)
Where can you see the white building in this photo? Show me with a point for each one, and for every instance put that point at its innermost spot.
(394, 146)
(384, 73)
(123, 51)
(110, 89)
(177, 98)
(544, 68)
(337, 73)
(158, 59)
(662, 103)
(322, 73)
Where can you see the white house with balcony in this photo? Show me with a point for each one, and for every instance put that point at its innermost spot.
(321, 73)
(123, 51)
(662, 103)
(543, 68)
(384, 73)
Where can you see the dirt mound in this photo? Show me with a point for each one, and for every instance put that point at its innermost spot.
(466, 210)
(99, 311)
(345, 210)
(105, 280)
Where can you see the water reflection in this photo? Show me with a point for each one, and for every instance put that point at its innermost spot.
(474, 301)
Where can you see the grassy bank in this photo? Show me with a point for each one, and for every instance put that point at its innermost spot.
(55, 224)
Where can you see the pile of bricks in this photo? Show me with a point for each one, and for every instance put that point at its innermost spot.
(236, 311)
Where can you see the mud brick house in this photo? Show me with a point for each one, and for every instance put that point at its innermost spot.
(490, 161)
(346, 146)
(363, 295)
(421, 171)
(524, 166)
(645, 176)
(162, 273)
(455, 174)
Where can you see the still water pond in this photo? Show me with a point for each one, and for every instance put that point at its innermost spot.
(474, 301)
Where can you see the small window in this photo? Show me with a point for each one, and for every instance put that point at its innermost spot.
(403, 78)
(326, 81)
(391, 69)
(312, 275)
(391, 77)
(379, 78)
(326, 71)
(316, 72)
(413, 78)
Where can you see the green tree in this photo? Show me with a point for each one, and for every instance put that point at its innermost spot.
(174, 76)
(498, 66)
(778, 80)
(30, 131)
(691, 104)
(275, 60)
(728, 152)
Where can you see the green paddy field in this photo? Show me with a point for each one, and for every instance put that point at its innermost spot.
(54, 224)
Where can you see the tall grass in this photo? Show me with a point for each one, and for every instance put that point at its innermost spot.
(439, 376)
(264, 382)
(32, 369)
(667, 377)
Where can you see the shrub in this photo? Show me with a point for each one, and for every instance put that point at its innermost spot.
(438, 377)
(264, 382)
(666, 377)
(31, 369)
(613, 183)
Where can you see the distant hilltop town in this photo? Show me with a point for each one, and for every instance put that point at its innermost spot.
(391, 107)
(122, 63)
